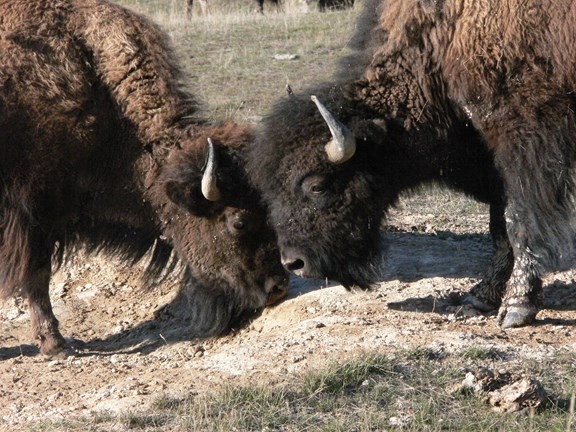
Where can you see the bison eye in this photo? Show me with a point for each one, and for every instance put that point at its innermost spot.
(240, 223)
(314, 186)
(317, 188)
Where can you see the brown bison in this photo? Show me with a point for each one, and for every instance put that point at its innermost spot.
(102, 149)
(476, 95)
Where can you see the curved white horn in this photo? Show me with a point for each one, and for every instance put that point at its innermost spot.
(209, 186)
(342, 146)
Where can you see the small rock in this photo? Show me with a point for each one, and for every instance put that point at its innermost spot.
(525, 393)
(286, 56)
(507, 392)
(397, 422)
(12, 314)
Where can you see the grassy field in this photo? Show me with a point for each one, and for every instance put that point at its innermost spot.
(229, 57)
(373, 392)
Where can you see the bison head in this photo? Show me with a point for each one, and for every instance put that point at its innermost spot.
(218, 227)
(319, 179)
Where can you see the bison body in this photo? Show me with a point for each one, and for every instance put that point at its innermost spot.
(103, 149)
(475, 95)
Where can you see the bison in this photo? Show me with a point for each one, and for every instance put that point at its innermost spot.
(324, 5)
(206, 10)
(476, 95)
(104, 148)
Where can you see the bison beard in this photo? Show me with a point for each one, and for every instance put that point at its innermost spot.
(475, 95)
(104, 149)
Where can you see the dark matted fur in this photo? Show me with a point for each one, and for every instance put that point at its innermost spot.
(476, 95)
(103, 148)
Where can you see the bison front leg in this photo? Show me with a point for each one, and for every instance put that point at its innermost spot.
(44, 323)
(524, 295)
(487, 294)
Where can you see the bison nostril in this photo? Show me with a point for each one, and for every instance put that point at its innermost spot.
(294, 260)
(295, 265)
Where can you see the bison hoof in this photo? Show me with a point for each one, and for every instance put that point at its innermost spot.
(53, 346)
(517, 316)
(478, 303)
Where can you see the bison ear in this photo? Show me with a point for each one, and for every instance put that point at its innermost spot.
(188, 195)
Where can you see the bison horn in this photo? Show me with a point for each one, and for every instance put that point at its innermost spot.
(342, 146)
(209, 187)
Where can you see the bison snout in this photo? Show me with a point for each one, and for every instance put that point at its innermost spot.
(295, 262)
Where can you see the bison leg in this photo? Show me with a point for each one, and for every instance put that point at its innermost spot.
(44, 323)
(524, 293)
(189, 8)
(534, 150)
(487, 294)
(523, 298)
(204, 7)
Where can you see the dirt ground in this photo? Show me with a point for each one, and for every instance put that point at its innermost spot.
(128, 350)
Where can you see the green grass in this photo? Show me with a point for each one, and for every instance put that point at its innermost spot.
(229, 55)
(481, 353)
(370, 392)
(233, 68)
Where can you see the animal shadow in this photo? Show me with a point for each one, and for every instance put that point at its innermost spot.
(415, 256)
(558, 296)
(410, 257)
(171, 323)
(22, 350)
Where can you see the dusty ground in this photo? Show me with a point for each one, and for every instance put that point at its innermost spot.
(124, 357)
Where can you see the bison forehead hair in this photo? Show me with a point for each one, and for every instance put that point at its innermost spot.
(313, 201)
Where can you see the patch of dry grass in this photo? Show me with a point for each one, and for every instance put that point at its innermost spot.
(369, 392)
(229, 55)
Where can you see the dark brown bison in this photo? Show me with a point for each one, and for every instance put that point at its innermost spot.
(102, 149)
(476, 95)
(260, 9)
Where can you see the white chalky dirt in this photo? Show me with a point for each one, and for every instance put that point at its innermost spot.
(124, 359)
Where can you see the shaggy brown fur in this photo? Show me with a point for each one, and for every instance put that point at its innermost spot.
(477, 95)
(103, 148)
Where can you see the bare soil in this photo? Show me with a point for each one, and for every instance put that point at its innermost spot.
(129, 347)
